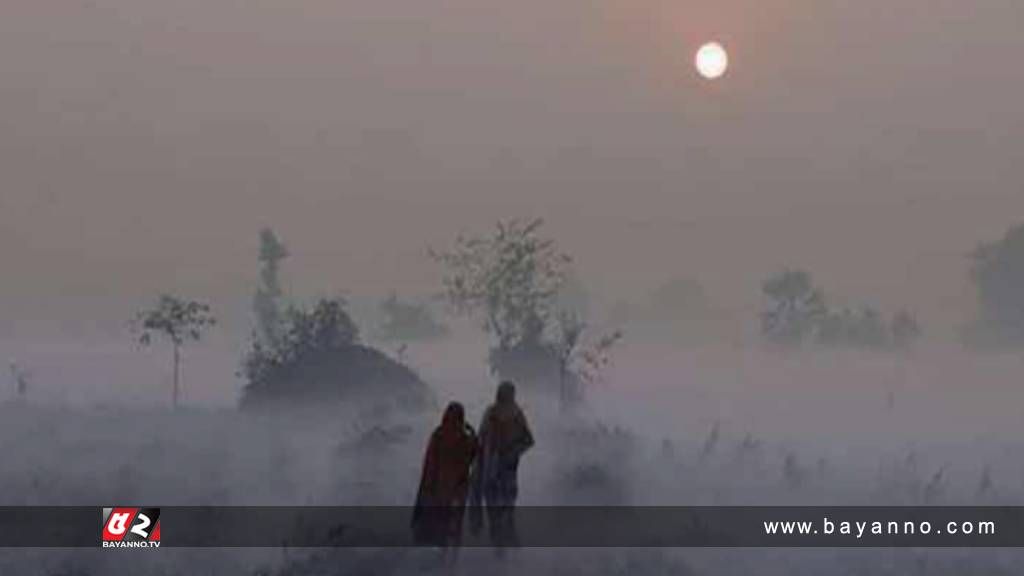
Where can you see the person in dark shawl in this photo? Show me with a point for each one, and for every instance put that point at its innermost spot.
(445, 481)
(504, 437)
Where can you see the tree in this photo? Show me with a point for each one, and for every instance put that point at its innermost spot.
(266, 302)
(178, 321)
(514, 281)
(797, 313)
(319, 361)
(998, 274)
(795, 307)
(509, 279)
(579, 362)
(305, 334)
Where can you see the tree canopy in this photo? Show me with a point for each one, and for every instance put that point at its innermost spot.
(795, 307)
(320, 361)
(522, 288)
(509, 279)
(176, 320)
(797, 313)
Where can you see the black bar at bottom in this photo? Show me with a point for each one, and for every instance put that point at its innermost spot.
(592, 527)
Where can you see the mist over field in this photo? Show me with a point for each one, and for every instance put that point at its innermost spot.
(801, 283)
(861, 428)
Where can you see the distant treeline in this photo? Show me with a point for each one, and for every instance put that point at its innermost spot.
(797, 313)
(529, 301)
(797, 310)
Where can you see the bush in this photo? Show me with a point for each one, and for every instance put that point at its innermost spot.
(320, 362)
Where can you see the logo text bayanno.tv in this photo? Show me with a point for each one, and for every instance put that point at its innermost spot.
(125, 527)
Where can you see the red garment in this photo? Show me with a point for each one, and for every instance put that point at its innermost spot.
(444, 484)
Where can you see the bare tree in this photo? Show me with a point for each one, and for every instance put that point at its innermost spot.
(571, 332)
(580, 361)
(176, 320)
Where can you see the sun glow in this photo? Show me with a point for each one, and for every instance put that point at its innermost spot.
(711, 60)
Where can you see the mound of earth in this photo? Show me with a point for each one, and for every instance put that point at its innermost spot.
(339, 375)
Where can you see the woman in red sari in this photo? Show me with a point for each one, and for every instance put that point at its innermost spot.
(444, 484)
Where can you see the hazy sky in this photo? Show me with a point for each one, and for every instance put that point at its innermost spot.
(144, 142)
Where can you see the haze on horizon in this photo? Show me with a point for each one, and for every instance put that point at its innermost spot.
(144, 143)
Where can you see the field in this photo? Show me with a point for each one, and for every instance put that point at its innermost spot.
(704, 426)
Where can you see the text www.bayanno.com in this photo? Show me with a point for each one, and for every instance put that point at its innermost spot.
(861, 529)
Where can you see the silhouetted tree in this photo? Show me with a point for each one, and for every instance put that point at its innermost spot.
(515, 281)
(797, 313)
(266, 303)
(324, 329)
(570, 335)
(178, 321)
(795, 307)
(579, 362)
(509, 279)
(998, 273)
(319, 360)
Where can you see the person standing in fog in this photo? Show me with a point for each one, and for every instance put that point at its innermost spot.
(504, 437)
(444, 483)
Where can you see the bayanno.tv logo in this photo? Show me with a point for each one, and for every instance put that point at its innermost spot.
(131, 528)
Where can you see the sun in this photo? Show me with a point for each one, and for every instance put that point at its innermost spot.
(711, 60)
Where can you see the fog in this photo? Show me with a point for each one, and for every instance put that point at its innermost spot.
(144, 144)
(645, 428)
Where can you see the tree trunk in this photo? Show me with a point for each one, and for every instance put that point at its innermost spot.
(177, 370)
